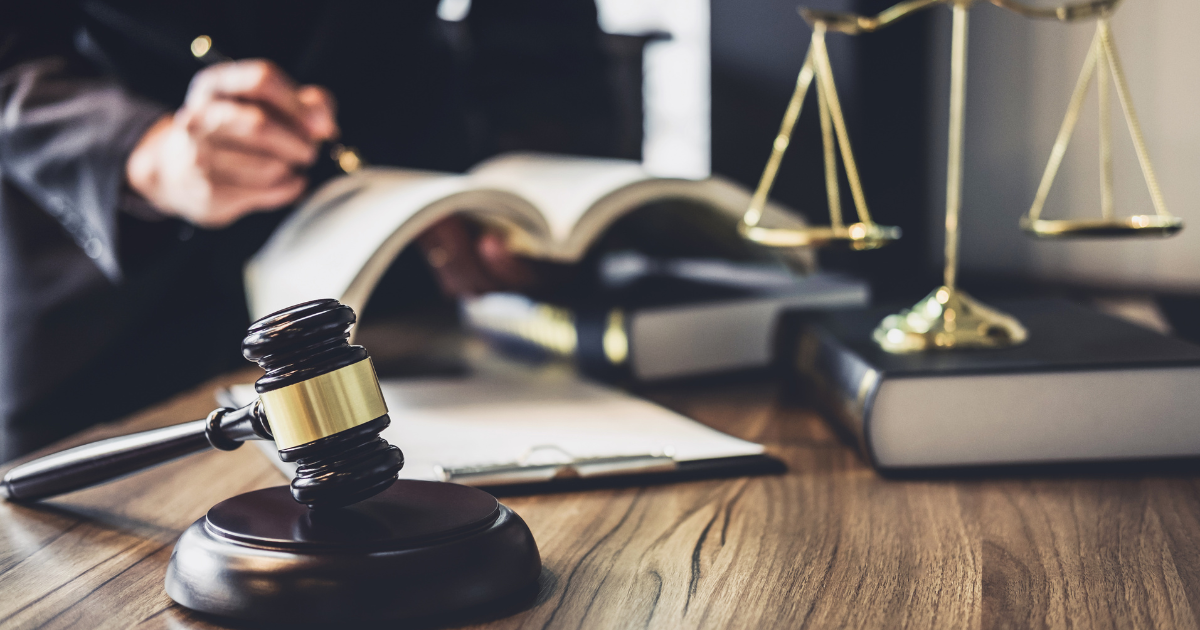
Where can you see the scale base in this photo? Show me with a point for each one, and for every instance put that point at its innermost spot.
(948, 319)
(417, 549)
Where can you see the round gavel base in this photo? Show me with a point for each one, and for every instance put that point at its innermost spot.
(419, 548)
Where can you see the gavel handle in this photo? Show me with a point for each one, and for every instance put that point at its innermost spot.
(106, 460)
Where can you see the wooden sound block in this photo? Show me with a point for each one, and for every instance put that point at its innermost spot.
(418, 548)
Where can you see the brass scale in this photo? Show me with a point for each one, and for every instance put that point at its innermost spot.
(949, 318)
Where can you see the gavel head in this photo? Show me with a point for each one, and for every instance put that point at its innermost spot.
(322, 401)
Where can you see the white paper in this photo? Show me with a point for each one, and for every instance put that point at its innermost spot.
(500, 418)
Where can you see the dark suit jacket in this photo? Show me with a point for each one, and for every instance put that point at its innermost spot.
(104, 309)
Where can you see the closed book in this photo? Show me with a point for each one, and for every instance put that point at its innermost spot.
(1084, 387)
(660, 326)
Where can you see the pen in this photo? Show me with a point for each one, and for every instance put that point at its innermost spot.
(348, 159)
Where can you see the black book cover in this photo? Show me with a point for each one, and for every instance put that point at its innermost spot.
(838, 365)
(1063, 335)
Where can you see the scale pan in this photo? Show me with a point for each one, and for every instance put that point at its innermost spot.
(1137, 226)
(857, 236)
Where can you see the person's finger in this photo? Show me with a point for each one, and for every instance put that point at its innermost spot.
(249, 128)
(449, 247)
(257, 80)
(510, 271)
(276, 196)
(460, 279)
(240, 168)
(463, 275)
(320, 114)
(230, 203)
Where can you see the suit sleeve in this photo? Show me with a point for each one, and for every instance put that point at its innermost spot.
(66, 132)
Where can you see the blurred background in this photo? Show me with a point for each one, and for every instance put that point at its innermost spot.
(691, 88)
(701, 87)
(1022, 72)
(894, 88)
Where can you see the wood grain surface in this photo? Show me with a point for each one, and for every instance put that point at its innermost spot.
(829, 544)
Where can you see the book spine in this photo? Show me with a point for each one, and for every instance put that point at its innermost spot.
(842, 383)
(596, 340)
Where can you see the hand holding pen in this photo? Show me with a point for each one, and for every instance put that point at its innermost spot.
(347, 158)
(241, 143)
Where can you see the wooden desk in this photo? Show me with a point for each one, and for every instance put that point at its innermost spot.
(829, 544)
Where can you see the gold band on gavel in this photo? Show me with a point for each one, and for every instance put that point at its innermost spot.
(324, 405)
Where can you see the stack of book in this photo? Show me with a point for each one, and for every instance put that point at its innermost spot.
(1085, 387)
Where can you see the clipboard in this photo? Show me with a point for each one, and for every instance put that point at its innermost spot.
(520, 432)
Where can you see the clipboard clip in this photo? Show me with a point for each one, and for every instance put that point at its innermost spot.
(526, 470)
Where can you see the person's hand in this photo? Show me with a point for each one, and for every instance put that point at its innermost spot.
(239, 144)
(468, 261)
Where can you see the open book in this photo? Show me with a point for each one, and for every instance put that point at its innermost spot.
(341, 240)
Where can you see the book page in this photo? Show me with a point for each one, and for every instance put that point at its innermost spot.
(341, 241)
(580, 197)
(501, 418)
(562, 187)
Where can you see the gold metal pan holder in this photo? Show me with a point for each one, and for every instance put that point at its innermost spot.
(1101, 62)
(864, 234)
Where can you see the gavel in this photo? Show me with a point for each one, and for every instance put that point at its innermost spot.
(319, 400)
(374, 548)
